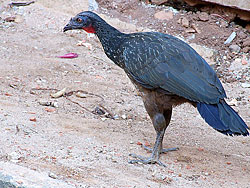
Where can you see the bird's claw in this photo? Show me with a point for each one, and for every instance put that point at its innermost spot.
(144, 160)
(162, 150)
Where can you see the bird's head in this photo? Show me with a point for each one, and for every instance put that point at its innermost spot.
(84, 20)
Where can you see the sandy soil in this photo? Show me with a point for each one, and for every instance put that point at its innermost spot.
(88, 150)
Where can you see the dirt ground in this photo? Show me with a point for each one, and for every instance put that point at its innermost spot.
(69, 142)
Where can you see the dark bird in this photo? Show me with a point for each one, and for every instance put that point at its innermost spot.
(167, 72)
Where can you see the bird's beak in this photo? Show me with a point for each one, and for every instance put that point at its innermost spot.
(67, 27)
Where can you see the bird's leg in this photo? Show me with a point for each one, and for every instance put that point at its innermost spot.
(163, 150)
(155, 153)
(160, 126)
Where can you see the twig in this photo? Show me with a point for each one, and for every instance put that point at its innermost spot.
(21, 4)
(79, 105)
(85, 92)
(42, 89)
(217, 15)
(68, 94)
(17, 129)
(109, 113)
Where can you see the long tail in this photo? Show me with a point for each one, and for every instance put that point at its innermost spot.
(223, 118)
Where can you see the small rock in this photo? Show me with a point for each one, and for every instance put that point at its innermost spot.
(203, 16)
(246, 42)
(52, 175)
(185, 22)
(99, 111)
(14, 156)
(162, 15)
(100, 150)
(206, 173)
(230, 38)
(234, 48)
(33, 119)
(245, 85)
(242, 35)
(246, 49)
(103, 119)
(233, 102)
(195, 27)
(116, 116)
(158, 2)
(244, 60)
(248, 27)
(190, 30)
(237, 61)
(10, 19)
(81, 95)
(124, 116)
(224, 23)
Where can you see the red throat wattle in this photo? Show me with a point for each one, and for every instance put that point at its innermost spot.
(89, 29)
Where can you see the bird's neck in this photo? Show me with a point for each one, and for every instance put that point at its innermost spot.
(110, 39)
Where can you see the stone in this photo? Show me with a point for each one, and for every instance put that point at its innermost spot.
(246, 49)
(185, 22)
(230, 38)
(203, 16)
(158, 2)
(245, 85)
(248, 27)
(234, 48)
(190, 30)
(163, 15)
(242, 35)
(246, 42)
(195, 27)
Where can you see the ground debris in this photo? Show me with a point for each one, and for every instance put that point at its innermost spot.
(59, 93)
(18, 4)
(184, 22)
(230, 38)
(233, 102)
(49, 103)
(245, 85)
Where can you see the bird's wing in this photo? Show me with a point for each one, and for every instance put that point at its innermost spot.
(156, 60)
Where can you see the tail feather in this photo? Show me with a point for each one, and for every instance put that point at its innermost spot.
(223, 118)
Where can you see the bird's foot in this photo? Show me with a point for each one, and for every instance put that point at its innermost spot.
(145, 160)
(161, 151)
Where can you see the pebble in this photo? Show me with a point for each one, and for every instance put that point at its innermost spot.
(206, 174)
(224, 24)
(163, 15)
(158, 2)
(242, 35)
(195, 27)
(203, 16)
(245, 85)
(190, 30)
(233, 102)
(116, 116)
(246, 42)
(14, 157)
(246, 49)
(124, 116)
(237, 61)
(52, 175)
(234, 48)
(230, 38)
(248, 27)
(185, 22)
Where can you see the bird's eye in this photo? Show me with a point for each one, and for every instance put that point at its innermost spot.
(79, 20)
